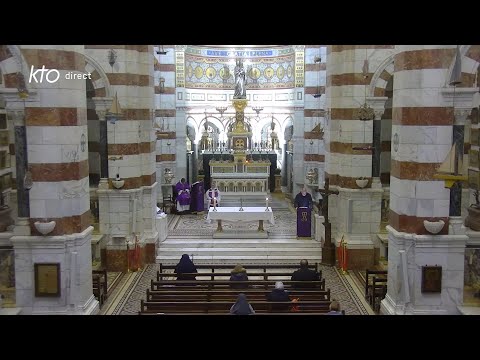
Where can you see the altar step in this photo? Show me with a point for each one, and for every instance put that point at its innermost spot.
(243, 251)
(240, 259)
(172, 243)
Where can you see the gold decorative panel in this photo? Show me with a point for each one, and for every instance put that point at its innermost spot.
(180, 68)
(299, 68)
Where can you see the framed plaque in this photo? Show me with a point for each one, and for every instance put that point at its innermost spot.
(431, 279)
(47, 279)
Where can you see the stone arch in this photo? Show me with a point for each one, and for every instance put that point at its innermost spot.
(13, 63)
(98, 76)
(381, 77)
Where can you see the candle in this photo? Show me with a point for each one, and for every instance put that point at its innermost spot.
(267, 202)
(214, 203)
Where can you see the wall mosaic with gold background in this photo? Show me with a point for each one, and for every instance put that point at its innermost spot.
(214, 68)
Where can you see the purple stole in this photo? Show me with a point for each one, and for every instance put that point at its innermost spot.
(184, 197)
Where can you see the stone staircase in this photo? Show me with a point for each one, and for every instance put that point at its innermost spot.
(285, 250)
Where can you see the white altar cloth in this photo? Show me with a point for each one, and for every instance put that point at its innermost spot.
(249, 213)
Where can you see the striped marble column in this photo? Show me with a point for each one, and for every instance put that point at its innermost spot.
(131, 153)
(422, 134)
(57, 146)
(355, 212)
(314, 122)
(165, 113)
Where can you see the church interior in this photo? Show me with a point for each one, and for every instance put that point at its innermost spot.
(117, 161)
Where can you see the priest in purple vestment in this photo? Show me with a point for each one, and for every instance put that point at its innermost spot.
(183, 195)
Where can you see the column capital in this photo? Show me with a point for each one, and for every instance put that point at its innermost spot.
(102, 105)
(14, 101)
(377, 103)
(463, 97)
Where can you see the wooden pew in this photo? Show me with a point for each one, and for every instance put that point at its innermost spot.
(264, 268)
(231, 295)
(287, 275)
(369, 274)
(100, 286)
(221, 284)
(193, 307)
(378, 292)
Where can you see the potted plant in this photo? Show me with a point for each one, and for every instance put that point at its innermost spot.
(473, 218)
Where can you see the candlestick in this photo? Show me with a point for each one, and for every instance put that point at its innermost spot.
(214, 204)
(267, 204)
(241, 205)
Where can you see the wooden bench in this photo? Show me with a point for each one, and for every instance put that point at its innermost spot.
(262, 314)
(231, 295)
(192, 307)
(212, 276)
(213, 268)
(225, 284)
(100, 286)
(369, 274)
(378, 292)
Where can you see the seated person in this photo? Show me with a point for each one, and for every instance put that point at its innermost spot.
(279, 295)
(305, 274)
(183, 195)
(239, 274)
(241, 306)
(211, 193)
(335, 308)
(185, 266)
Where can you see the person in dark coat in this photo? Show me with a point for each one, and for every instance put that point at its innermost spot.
(279, 295)
(241, 306)
(305, 274)
(185, 265)
(239, 273)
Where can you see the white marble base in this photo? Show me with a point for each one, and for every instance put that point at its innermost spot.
(407, 254)
(73, 254)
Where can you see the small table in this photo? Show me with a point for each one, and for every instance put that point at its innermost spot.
(233, 214)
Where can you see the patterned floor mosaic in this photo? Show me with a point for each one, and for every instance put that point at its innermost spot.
(285, 224)
(339, 287)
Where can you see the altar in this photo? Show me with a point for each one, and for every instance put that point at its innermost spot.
(239, 221)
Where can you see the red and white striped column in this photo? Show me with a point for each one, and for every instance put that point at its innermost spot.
(131, 153)
(356, 211)
(57, 145)
(422, 131)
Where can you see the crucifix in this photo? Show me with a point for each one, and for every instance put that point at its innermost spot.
(328, 249)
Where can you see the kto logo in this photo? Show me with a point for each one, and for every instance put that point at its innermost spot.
(51, 75)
